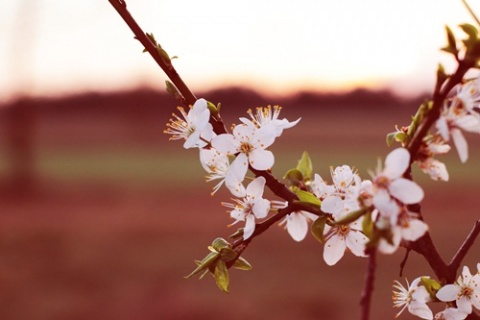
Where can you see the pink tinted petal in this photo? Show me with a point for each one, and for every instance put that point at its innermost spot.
(396, 163)
(199, 107)
(237, 214)
(420, 310)
(334, 249)
(193, 140)
(261, 159)
(261, 208)
(225, 143)
(356, 243)
(255, 188)
(297, 226)
(249, 226)
(468, 123)
(332, 204)
(448, 293)
(406, 191)
(461, 144)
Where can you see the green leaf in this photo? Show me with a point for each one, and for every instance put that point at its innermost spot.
(452, 43)
(294, 176)
(318, 227)
(306, 196)
(472, 33)
(390, 138)
(221, 275)
(204, 264)
(305, 166)
(242, 264)
(173, 91)
(227, 254)
(220, 243)
(351, 217)
(367, 225)
(431, 285)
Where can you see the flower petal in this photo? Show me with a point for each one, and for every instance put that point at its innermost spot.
(225, 143)
(255, 188)
(249, 226)
(334, 249)
(406, 191)
(396, 163)
(261, 159)
(415, 230)
(420, 310)
(297, 226)
(448, 293)
(356, 243)
(461, 144)
(261, 208)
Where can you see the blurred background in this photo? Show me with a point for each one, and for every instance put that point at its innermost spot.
(101, 216)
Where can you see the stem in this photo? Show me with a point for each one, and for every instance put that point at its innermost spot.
(366, 299)
(121, 7)
(465, 247)
(474, 16)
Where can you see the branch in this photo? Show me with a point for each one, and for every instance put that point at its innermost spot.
(465, 247)
(366, 298)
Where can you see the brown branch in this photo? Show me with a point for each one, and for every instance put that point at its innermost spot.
(366, 298)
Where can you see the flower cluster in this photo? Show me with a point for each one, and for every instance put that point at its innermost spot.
(226, 157)
(464, 294)
(460, 113)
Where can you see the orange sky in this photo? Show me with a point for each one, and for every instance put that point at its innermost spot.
(55, 46)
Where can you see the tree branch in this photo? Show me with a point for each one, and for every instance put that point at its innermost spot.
(366, 298)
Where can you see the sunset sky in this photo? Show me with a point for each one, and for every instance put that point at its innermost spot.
(57, 46)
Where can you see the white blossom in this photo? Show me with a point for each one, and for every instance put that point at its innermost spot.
(195, 127)
(414, 298)
(252, 206)
(249, 145)
(297, 224)
(451, 314)
(265, 116)
(465, 291)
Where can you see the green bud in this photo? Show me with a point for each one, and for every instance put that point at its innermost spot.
(242, 264)
(220, 243)
(431, 285)
(305, 166)
(204, 264)
(306, 196)
(294, 176)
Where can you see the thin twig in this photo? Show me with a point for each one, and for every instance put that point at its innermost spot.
(465, 247)
(121, 7)
(366, 298)
(474, 16)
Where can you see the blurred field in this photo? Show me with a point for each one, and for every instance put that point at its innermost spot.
(116, 214)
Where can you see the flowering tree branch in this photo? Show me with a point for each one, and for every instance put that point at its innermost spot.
(351, 214)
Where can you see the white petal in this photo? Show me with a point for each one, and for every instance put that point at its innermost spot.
(198, 107)
(255, 188)
(334, 249)
(415, 230)
(406, 191)
(396, 163)
(261, 208)
(249, 226)
(225, 143)
(460, 144)
(442, 127)
(448, 293)
(235, 176)
(332, 204)
(297, 226)
(261, 159)
(244, 132)
(388, 248)
(468, 123)
(420, 310)
(464, 304)
(356, 243)
(264, 136)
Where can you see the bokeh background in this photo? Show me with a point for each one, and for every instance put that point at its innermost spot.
(101, 216)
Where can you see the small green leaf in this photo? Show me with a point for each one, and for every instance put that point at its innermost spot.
(452, 43)
(220, 243)
(367, 225)
(305, 166)
(318, 227)
(351, 217)
(431, 285)
(294, 176)
(242, 264)
(221, 275)
(306, 196)
(227, 254)
(390, 138)
(204, 264)
(173, 91)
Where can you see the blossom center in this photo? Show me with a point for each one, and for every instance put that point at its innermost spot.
(246, 147)
(465, 292)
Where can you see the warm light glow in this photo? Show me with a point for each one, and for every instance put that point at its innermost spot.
(55, 46)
